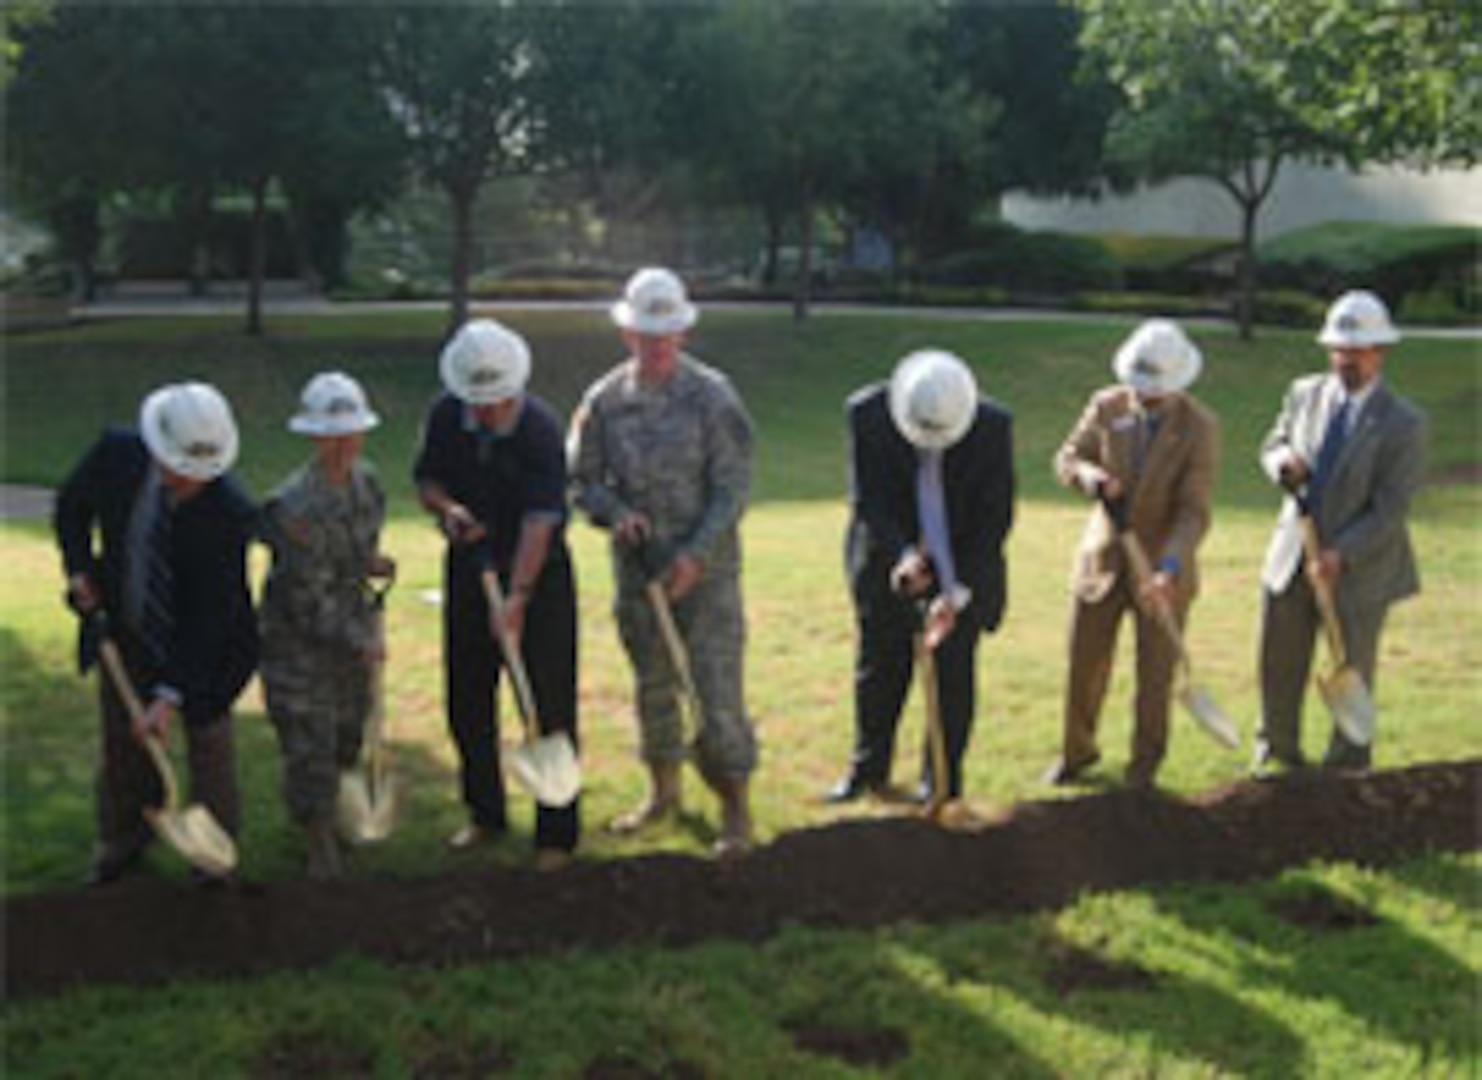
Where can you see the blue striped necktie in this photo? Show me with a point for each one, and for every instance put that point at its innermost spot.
(157, 613)
(1327, 455)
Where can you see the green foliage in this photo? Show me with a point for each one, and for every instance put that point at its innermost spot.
(1045, 262)
(1395, 260)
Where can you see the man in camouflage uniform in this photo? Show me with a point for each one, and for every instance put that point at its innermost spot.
(321, 635)
(660, 454)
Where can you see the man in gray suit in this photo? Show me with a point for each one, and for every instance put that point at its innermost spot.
(1351, 451)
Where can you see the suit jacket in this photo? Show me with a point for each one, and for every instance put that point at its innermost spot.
(1366, 498)
(1168, 501)
(978, 483)
(215, 647)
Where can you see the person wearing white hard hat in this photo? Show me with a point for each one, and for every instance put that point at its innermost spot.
(931, 507)
(171, 576)
(492, 470)
(1146, 452)
(661, 452)
(1351, 452)
(320, 633)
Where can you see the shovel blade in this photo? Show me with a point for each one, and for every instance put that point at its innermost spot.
(365, 813)
(1210, 716)
(198, 837)
(548, 769)
(1351, 705)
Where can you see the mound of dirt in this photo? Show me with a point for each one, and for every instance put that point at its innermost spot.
(854, 874)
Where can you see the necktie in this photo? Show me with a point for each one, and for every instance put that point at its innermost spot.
(157, 613)
(1327, 455)
(931, 507)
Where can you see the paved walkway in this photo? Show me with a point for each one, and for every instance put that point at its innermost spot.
(19, 502)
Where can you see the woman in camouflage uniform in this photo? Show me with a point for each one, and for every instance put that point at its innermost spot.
(320, 634)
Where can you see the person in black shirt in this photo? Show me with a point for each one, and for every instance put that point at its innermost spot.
(492, 469)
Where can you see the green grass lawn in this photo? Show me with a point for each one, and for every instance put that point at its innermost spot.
(1232, 989)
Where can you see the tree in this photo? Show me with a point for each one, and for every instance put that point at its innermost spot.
(456, 80)
(1231, 91)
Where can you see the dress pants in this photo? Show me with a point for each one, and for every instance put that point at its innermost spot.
(1093, 644)
(887, 629)
(1290, 623)
(472, 663)
(127, 781)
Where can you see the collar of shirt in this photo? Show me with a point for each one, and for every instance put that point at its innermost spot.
(1338, 394)
(471, 425)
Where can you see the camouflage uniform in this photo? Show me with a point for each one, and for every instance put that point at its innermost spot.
(316, 621)
(680, 454)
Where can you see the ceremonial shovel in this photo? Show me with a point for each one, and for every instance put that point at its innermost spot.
(366, 804)
(1194, 698)
(193, 831)
(1343, 689)
(544, 765)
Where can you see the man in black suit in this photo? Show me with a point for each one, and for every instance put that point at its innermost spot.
(171, 574)
(932, 502)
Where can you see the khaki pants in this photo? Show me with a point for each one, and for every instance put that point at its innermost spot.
(1093, 643)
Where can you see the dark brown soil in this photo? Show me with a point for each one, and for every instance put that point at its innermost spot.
(862, 1047)
(308, 1053)
(853, 874)
(1317, 909)
(1070, 968)
(624, 1068)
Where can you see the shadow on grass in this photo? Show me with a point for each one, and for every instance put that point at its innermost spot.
(1310, 941)
(1179, 1017)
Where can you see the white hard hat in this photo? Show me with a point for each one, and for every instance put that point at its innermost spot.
(1158, 358)
(933, 398)
(655, 303)
(189, 429)
(333, 404)
(485, 363)
(1357, 320)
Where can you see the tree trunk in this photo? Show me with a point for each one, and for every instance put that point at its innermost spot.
(195, 214)
(774, 242)
(462, 195)
(1245, 302)
(257, 256)
(804, 283)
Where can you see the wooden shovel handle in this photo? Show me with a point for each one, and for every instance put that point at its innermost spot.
(936, 740)
(1327, 605)
(1142, 572)
(524, 699)
(114, 665)
(678, 655)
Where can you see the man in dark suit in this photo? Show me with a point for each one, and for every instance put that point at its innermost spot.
(932, 502)
(1355, 450)
(171, 574)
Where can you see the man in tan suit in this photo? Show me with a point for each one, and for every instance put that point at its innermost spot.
(1147, 452)
(1354, 451)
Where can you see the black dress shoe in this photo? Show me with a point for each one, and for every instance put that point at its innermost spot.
(851, 789)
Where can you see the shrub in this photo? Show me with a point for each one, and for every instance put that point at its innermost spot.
(1044, 262)
(1393, 260)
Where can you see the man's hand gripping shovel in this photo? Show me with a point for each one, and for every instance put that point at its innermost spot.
(366, 806)
(193, 831)
(544, 765)
(1197, 700)
(1343, 689)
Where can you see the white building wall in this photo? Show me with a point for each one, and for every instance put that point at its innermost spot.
(1304, 195)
